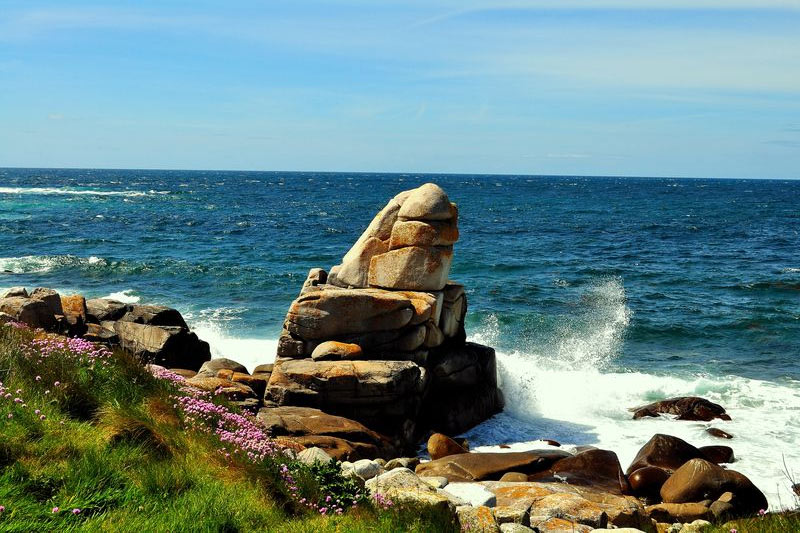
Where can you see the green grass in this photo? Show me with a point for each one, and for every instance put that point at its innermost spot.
(770, 523)
(113, 445)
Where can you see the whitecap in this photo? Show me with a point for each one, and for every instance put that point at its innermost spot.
(67, 191)
(125, 296)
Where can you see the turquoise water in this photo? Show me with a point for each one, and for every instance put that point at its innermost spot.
(599, 293)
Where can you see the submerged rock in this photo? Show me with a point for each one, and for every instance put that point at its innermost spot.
(685, 407)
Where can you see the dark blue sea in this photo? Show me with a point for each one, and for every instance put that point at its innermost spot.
(599, 293)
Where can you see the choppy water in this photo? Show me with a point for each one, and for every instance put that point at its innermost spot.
(600, 294)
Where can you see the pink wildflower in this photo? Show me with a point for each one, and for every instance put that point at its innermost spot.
(76, 511)
(55, 510)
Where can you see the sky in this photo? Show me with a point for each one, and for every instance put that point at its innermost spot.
(697, 88)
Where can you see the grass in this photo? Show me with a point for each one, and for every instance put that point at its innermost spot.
(769, 523)
(97, 432)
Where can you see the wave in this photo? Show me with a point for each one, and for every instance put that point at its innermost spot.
(567, 389)
(125, 296)
(36, 264)
(74, 192)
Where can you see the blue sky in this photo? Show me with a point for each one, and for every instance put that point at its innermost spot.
(600, 87)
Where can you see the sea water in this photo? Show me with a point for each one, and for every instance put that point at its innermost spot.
(600, 294)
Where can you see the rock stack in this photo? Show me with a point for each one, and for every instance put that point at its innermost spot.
(381, 338)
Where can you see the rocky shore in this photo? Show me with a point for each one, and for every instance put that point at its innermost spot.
(373, 361)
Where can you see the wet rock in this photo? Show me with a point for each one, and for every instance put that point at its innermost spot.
(717, 454)
(480, 466)
(719, 433)
(685, 407)
(599, 469)
(699, 479)
(646, 482)
(440, 445)
(664, 451)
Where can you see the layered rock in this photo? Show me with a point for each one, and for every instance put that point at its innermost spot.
(381, 338)
(155, 334)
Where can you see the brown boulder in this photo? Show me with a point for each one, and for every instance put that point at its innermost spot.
(98, 333)
(647, 482)
(664, 451)
(685, 407)
(717, 454)
(599, 469)
(719, 433)
(427, 202)
(34, 313)
(481, 466)
(336, 351)
(440, 445)
(332, 313)
(231, 390)
(50, 297)
(514, 477)
(699, 480)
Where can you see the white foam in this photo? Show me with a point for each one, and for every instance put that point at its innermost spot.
(564, 390)
(71, 192)
(126, 296)
(250, 352)
(36, 264)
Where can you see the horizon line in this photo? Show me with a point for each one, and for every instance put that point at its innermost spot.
(631, 176)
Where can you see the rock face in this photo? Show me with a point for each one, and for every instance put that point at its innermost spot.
(381, 338)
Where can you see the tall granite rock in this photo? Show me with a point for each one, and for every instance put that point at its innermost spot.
(381, 338)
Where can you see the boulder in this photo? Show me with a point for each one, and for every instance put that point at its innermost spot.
(699, 480)
(402, 462)
(363, 468)
(440, 445)
(581, 505)
(154, 315)
(399, 478)
(33, 312)
(328, 314)
(427, 202)
(336, 351)
(313, 455)
(355, 440)
(599, 469)
(719, 433)
(211, 368)
(418, 233)
(19, 292)
(75, 313)
(413, 268)
(485, 466)
(646, 482)
(232, 391)
(685, 408)
(166, 346)
(664, 451)
(99, 310)
(717, 454)
(259, 385)
(49, 297)
(6, 319)
(100, 334)
(513, 527)
(473, 493)
(515, 477)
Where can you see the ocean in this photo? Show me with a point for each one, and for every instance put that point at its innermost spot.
(600, 294)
